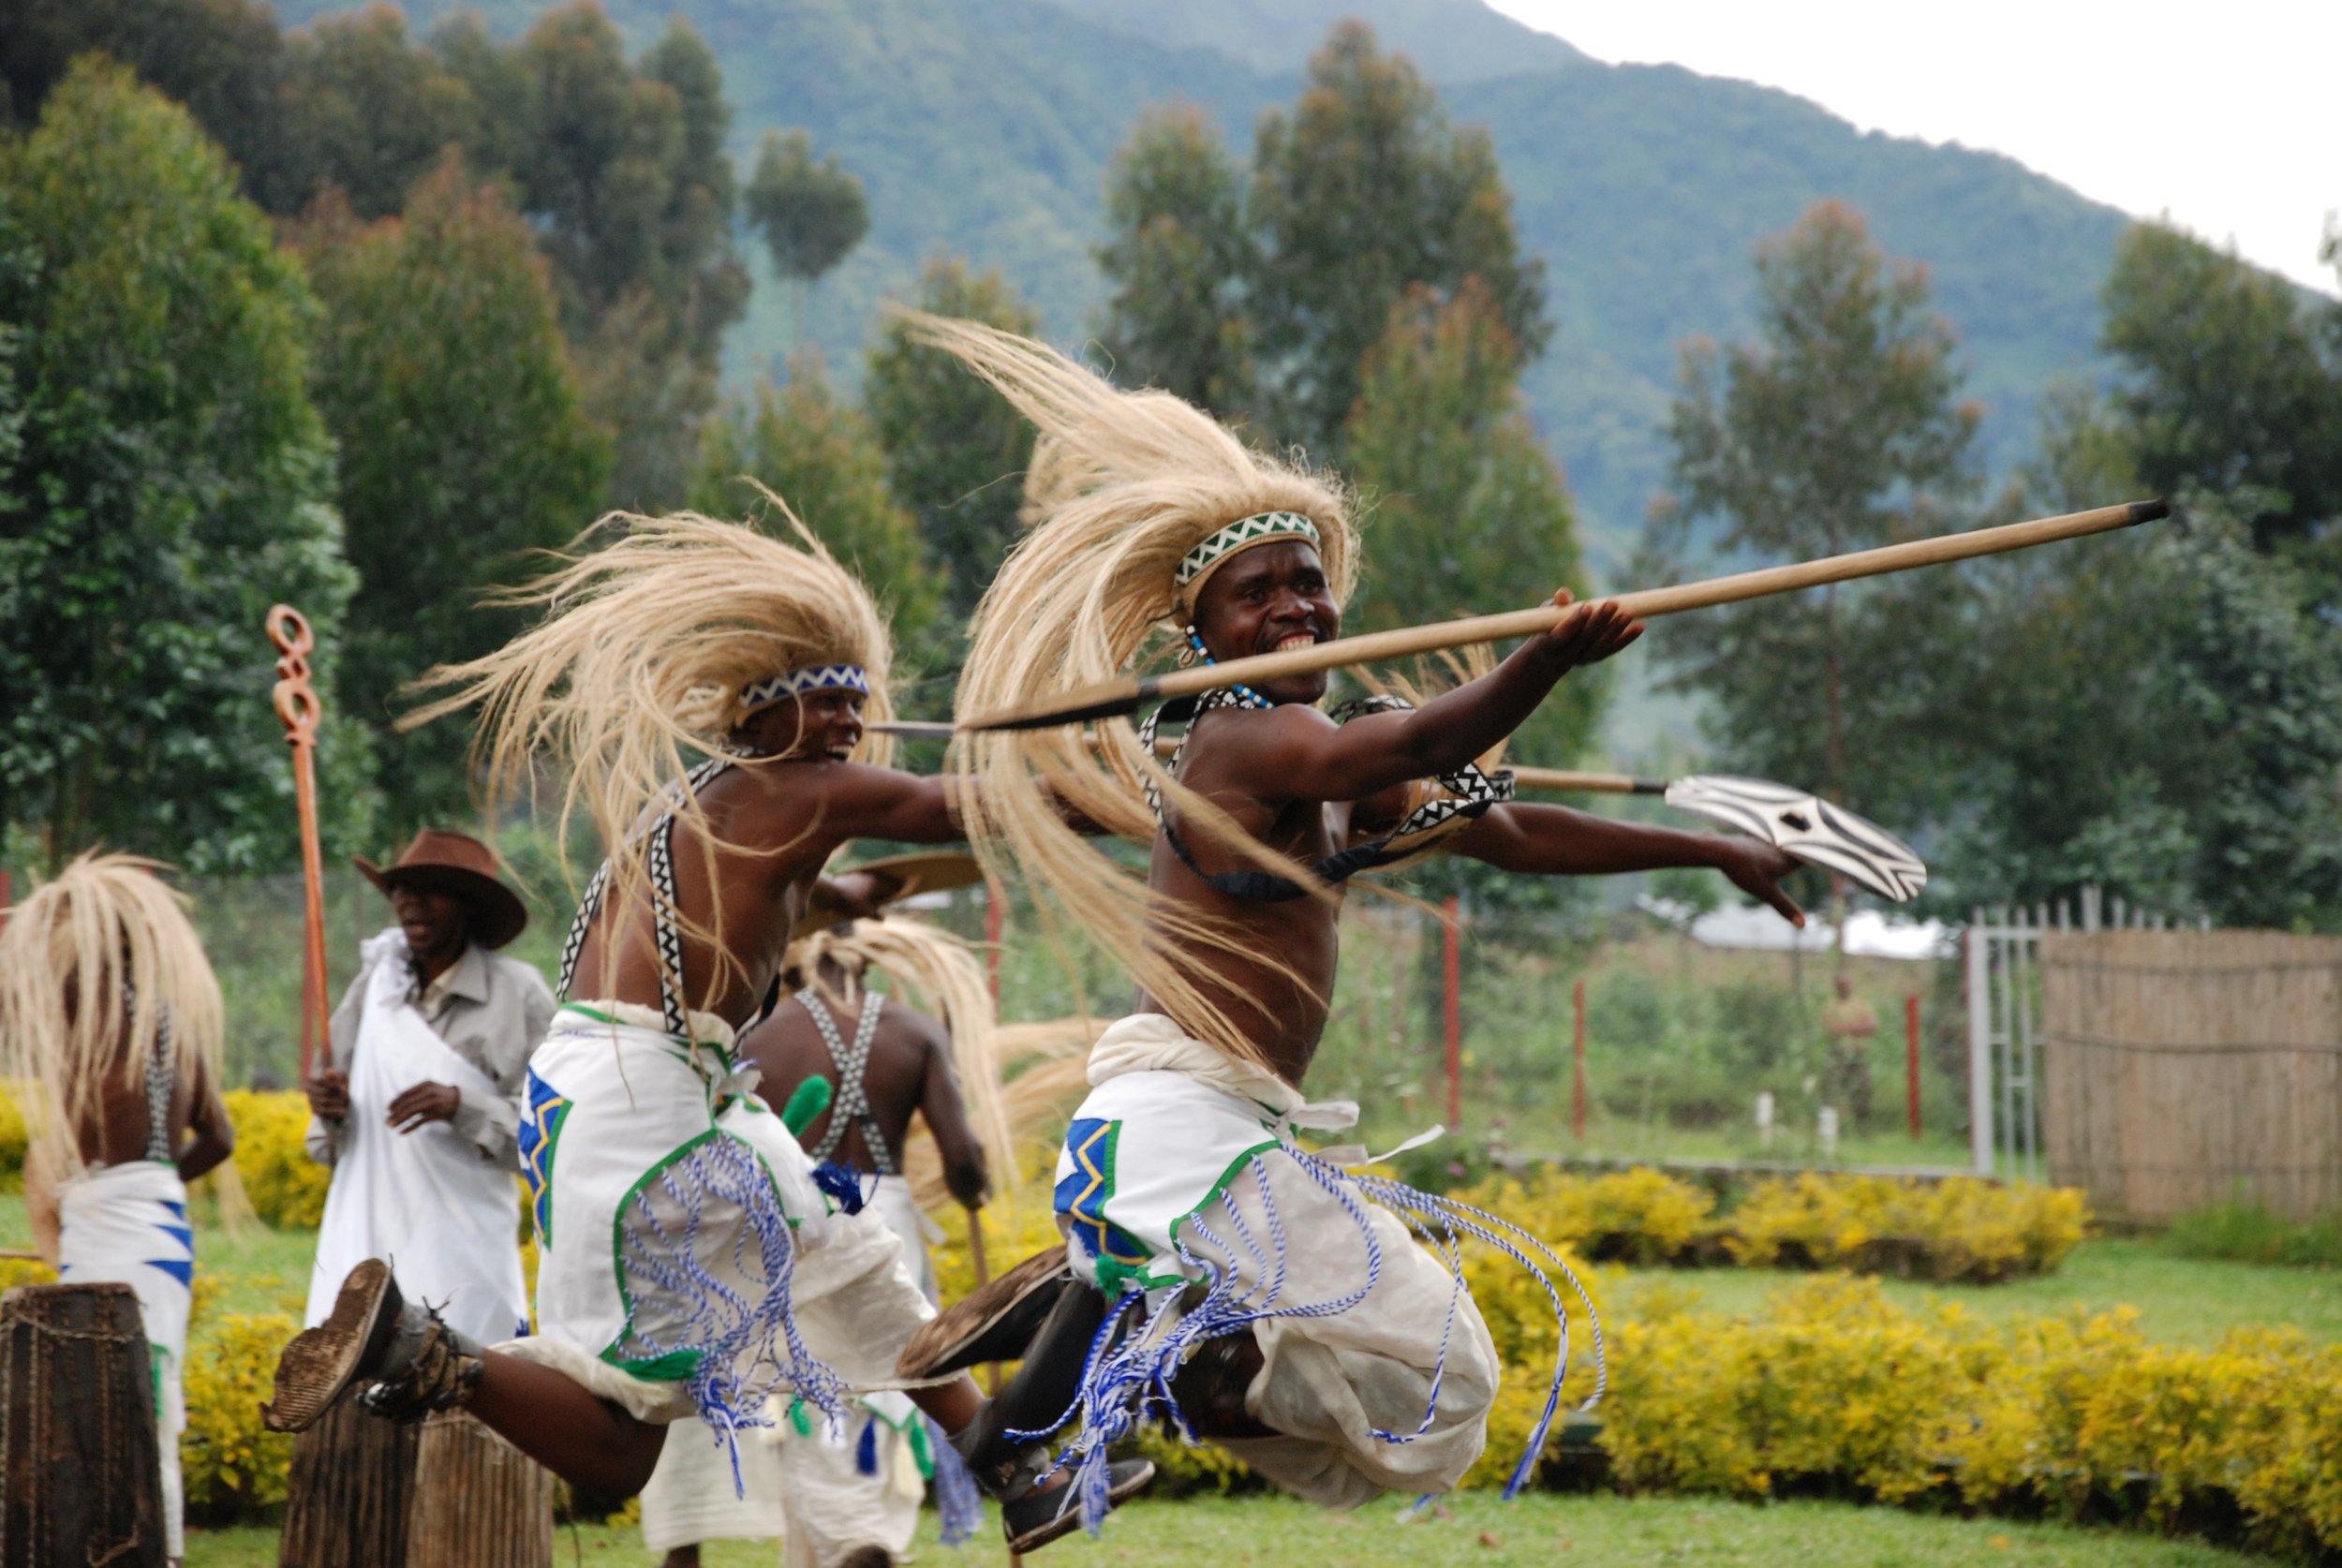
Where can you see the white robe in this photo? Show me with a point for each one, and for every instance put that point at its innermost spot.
(447, 1221)
(127, 1225)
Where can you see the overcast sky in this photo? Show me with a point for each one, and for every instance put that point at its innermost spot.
(2227, 116)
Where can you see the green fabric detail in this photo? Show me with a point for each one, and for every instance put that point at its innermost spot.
(1219, 1188)
(674, 1367)
(800, 1418)
(922, 1452)
(806, 1105)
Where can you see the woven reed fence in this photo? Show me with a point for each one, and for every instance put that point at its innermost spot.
(2185, 1068)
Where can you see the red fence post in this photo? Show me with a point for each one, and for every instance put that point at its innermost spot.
(1911, 1059)
(5, 896)
(1577, 1062)
(1453, 1009)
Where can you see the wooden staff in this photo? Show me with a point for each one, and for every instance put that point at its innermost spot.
(1107, 699)
(298, 707)
(983, 1278)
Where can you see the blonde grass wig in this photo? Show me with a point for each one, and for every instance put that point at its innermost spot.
(637, 669)
(1124, 486)
(937, 973)
(67, 955)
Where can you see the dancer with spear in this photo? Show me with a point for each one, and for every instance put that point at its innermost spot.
(1223, 1276)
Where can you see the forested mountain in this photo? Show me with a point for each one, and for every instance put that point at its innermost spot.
(985, 126)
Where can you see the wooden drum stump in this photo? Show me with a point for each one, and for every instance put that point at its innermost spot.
(353, 1479)
(81, 1477)
(480, 1503)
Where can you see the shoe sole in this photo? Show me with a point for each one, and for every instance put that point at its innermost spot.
(323, 1361)
(1070, 1520)
(946, 1343)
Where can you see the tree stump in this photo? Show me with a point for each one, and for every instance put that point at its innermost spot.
(353, 1484)
(480, 1503)
(82, 1473)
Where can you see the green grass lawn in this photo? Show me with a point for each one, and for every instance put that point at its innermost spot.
(1478, 1530)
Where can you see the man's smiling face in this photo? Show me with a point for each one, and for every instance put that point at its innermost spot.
(815, 727)
(1271, 597)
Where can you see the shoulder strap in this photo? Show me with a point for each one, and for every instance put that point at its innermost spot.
(665, 911)
(853, 1105)
(1470, 794)
(162, 1077)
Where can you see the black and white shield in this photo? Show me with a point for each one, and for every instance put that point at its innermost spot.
(1808, 827)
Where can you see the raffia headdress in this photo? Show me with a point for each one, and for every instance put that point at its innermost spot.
(107, 931)
(1126, 487)
(653, 646)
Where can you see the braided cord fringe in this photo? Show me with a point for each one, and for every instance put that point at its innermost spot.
(1126, 1379)
(748, 1351)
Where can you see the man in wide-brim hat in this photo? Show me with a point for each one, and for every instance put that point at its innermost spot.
(420, 1111)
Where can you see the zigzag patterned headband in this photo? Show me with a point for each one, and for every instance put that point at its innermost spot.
(1264, 527)
(813, 678)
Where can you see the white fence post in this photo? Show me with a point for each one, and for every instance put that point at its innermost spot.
(1979, 1044)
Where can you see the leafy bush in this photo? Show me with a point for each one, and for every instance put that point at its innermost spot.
(286, 1187)
(1834, 1387)
(14, 1139)
(2244, 1232)
(234, 1466)
(1957, 1229)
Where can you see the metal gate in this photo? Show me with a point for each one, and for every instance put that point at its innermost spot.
(2003, 950)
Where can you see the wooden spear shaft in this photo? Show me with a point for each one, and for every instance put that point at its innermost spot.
(299, 710)
(1109, 698)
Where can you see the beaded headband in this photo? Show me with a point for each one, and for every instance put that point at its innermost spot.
(1245, 532)
(813, 678)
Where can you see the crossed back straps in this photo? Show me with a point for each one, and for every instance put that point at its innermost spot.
(853, 1061)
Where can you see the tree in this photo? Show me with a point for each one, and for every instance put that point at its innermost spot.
(625, 175)
(821, 457)
(1469, 513)
(1836, 430)
(441, 369)
(956, 451)
(2149, 713)
(620, 166)
(1179, 257)
(169, 480)
(2229, 384)
(810, 213)
(1363, 190)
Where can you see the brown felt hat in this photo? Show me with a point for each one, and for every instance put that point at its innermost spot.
(459, 863)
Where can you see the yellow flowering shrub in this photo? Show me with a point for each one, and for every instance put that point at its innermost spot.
(286, 1187)
(1960, 1228)
(1641, 1216)
(26, 1271)
(234, 1464)
(14, 1139)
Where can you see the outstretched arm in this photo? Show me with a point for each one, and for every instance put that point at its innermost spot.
(869, 802)
(1556, 841)
(964, 1167)
(1295, 753)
